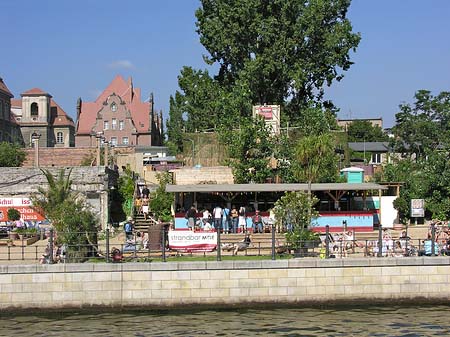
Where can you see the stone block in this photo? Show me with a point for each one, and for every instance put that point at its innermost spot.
(302, 263)
(247, 264)
(222, 293)
(329, 263)
(78, 267)
(211, 284)
(141, 276)
(200, 293)
(219, 274)
(344, 281)
(219, 265)
(258, 292)
(180, 293)
(297, 272)
(173, 284)
(228, 283)
(238, 274)
(200, 265)
(260, 273)
(22, 269)
(108, 267)
(163, 266)
(161, 275)
(240, 292)
(286, 282)
(275, 264)
(270, 282)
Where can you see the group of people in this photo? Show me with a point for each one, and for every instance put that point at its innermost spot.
(226, 220)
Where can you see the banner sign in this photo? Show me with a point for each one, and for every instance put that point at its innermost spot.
(23, 205)
(417, 208)
(189, 241)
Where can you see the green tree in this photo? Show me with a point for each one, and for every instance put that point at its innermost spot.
(423, 126)
(11, 155)
(13, 214)
(316, 160)
(250, 149)
(69, 213)
(362, 130)
(277, 52)
(162, 201)
(297, 209)
(127, 186)
(175, 124)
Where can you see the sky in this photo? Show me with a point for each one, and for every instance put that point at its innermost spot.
(74, 49)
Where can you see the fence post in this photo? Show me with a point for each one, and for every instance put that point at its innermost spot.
(107, 245)
(380, 241)
(327, 241)
(219, 256)
(433, 236)
(163, 244)
(273, 241)
(50, 243)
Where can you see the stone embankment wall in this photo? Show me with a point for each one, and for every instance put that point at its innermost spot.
(172, 284)
(203, 175)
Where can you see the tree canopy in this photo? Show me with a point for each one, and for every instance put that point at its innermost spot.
(280, 52)
(364, 131)
(11, 155)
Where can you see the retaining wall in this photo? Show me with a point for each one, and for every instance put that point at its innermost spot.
(225, 283)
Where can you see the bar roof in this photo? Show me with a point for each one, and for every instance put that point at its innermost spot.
(210, 188)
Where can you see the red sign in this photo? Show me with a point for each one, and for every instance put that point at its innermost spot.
(23, 205)
(266, 112)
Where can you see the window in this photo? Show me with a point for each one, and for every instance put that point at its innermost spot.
(34, 109)
(105, 125)
(121, 125)
(114, 124)
(125, 140)
(113, 140)
(113, 107)
(376, 158)
(1, 110)
(59, 138)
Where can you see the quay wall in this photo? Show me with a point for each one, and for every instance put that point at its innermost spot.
(224, 283)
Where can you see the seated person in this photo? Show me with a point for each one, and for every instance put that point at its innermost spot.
(427, 247)
(257, 223)
(241, 246)
(116, 254)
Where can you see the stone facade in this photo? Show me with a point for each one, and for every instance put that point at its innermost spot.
(226, 283)
(203, 175)
(92, 182)
(37, 113)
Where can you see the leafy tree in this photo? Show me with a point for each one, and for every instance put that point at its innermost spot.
(126, 184)
(361, 130)
(296, 209)
(72, 218)
(161, 201)
(278, 50)
(13, 214)
(316, 160)
(175, 124)
(423, 126)
(11, 155)
(249, 149)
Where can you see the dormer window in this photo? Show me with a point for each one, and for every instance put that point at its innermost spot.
(34, 109)
(113, 107)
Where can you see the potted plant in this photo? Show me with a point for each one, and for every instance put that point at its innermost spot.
(295, 210)
(13, 215)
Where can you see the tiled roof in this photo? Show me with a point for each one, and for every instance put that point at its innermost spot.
(16, 103)
(59, 116)
(35, 91)
(4, 88)
(130, 96)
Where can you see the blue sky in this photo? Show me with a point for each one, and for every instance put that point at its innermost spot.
(74, 49)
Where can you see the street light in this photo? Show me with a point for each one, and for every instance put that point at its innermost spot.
(35, 140)
(99, 136)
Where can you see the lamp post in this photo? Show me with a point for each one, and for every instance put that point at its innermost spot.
(106, 153)
(99, 136)
(35, 140)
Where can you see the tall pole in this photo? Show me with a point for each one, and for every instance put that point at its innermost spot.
(35, 140)
(106, 160)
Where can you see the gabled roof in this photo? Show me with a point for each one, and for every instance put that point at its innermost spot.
(130, 96)
(4, 89)
(58, 116)
(369, 146)
(35, 92)
(16, 103)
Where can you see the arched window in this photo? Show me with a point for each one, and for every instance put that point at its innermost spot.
(113, 107)
(34, 109)
(59, 137)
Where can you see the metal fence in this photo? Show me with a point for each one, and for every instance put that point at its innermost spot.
(153, 245)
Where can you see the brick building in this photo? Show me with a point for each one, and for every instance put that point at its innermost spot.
(119, 116)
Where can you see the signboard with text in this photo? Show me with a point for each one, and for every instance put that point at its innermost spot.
(189, 241)
(23, 205)
(417, 208)
(271, 115)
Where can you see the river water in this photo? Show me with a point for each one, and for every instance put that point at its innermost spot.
(339, 321)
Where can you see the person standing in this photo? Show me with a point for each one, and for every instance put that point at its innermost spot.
(145, 192)
(217, 216)
(191, 215)
(242, 219)
(234, 219)
(128, 228)
(226, 220)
